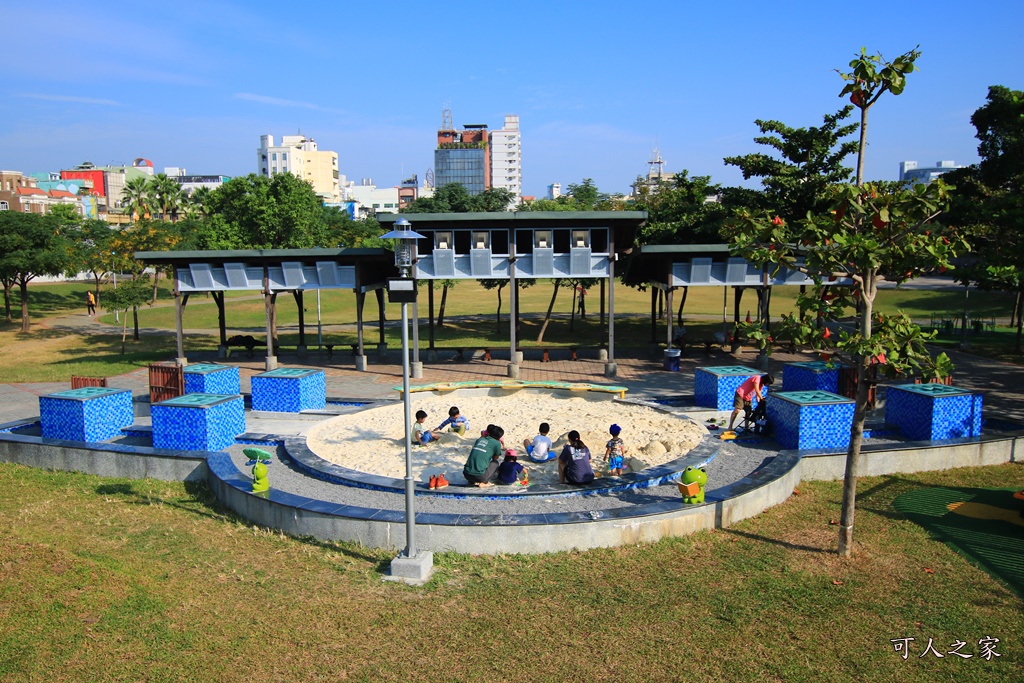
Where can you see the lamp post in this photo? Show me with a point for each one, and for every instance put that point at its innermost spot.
(411, 566)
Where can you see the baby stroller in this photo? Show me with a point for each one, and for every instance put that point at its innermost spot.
(756, 420)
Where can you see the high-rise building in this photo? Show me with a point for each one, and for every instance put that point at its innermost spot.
(910, 171)
(299, 156)
(462, 156)
(507, 158)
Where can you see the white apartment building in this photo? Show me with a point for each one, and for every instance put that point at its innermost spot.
(507, 157)
(299, 156)
(910, 171)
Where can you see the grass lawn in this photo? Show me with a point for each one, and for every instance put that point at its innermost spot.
(141, 580)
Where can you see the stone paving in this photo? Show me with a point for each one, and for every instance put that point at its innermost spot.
(641, 370)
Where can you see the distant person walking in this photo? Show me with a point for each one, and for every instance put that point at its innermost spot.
(90, 303)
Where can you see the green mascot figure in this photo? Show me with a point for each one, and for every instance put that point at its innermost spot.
(692, 484)
(260, 481)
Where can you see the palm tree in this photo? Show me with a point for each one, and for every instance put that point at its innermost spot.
(135, 198)
(199, 201)
(166, 193)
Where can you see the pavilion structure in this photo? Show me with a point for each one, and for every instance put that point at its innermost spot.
(271, 272)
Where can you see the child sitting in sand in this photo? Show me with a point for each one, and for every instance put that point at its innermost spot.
(420, 433)
(539, 449)
(615, 452)
(509, 469)
(458, 423)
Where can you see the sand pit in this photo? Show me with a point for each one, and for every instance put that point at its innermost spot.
(373, 440)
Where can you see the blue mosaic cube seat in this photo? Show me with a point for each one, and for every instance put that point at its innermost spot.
(289, 390)
(90, 414)
(812, 375)
(811, 419)
(198, 422)
(932, 412)
(210, 378)
(714, 387)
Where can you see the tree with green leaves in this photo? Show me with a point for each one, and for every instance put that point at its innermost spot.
(282, 212)
(166, 195)
(873, 232)
(683, 210)
(92, 248)
(31, 245)
(135, 198)
(803, 164)
(990, 199)
(131, 294)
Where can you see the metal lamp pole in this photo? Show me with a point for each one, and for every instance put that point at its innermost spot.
(409, 565)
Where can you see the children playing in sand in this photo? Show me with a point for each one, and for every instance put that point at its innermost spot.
(420, 433)
(459, 424)
(615, 452)
(539, 448)
(482, 464)
(510, 469)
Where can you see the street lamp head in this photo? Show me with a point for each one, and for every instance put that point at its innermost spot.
(405, 244)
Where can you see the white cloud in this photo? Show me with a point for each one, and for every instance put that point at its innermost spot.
(281, 102)
(69, 98)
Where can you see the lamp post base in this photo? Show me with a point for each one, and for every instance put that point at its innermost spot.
(611, 369)
(416, 369)
(412, 570)
(513, 370)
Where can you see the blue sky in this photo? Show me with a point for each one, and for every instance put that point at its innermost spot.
(597, 85)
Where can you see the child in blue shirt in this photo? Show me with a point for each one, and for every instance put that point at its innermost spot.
(509, 469)
(420, 433)
(458, 423)
(615, 452)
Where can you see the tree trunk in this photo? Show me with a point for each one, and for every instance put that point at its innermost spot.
(1020, 310)
(845, 546)
(7, 302)
(497, 316)
(156, 282)
(135, 321)
(572, 311)
(97, 277)
(440, 310)
(682, 302)
(25, 322)
(124, 331)
(547, 316)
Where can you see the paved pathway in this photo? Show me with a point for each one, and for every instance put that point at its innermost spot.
(638, 369)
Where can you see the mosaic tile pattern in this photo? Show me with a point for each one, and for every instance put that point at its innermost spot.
(289, 393)
(94, 417)
(817, 425)
(198, 428)
(923, 417)
(208, 378)
(715, 387)
(809, 376)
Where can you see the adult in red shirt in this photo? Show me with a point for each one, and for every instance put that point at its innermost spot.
(743, 400)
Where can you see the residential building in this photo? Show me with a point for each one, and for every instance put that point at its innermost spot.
(190, 183)
(366, 199)
(462, 156)
(554, 191)
(910, 171)
(19, 192)
(408, 191)
(300, 156)
(507, 158)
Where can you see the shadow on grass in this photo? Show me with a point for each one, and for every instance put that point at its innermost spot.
(775, 541)
(203, 503)
(986, 526)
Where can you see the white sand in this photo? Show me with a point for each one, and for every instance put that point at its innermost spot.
(373, 440)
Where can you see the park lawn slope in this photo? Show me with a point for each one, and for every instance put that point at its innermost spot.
(144, 580)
